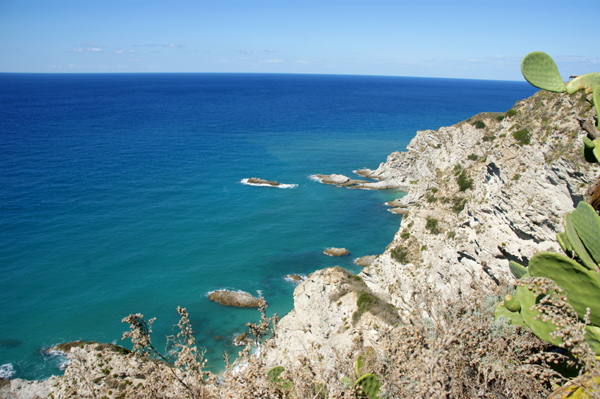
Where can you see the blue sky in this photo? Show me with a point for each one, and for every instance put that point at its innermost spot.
(482, 39)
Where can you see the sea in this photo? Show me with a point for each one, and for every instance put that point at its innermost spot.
(126, 193)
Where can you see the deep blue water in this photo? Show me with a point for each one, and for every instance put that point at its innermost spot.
(122, 193)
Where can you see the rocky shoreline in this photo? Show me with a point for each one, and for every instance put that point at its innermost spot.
(482, 192)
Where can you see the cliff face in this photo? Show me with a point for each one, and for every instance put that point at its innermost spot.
(480, 193)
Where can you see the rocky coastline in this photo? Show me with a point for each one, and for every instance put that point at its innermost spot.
(487, 190)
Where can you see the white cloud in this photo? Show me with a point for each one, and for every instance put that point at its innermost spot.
(125, 51)
(302, 62)
(247, 52)
(271, 51)
(276, 61)
(56, 66)
(87, 50)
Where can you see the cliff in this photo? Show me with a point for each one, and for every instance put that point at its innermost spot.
(485, 191)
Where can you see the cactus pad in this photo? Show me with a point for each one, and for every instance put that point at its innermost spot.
(274, 375)
(565, 244)
(576, 243)
(592, 337)
(587, 225)
(540, 328)
(369, 385)
(517, 269)
(586, 82)
(360, 361)
(539, 69)
(582, 285)
(514, 318)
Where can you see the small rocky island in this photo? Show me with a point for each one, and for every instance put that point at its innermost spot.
(234, 298)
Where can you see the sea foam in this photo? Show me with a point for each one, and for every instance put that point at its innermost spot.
(281, 185)
(7, 371)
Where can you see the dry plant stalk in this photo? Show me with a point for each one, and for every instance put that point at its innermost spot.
(450, 349)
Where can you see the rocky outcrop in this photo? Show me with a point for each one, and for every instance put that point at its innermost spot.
(23, 389)
(478, 195)
(336, 252)
(234, 298)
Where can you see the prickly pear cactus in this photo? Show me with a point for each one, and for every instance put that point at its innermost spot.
(517, 269)
(513, 318)
(585, 82)
(582, 285)
(274, 375)
(529, 297)
(539, 69)
(576, 243)
(367, 386)
(587, 225)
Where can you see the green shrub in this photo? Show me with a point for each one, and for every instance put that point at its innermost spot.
(463, 181)
(431, 198)
(400, 254)
(434, 190)
(405, 235)
(516, 176)
(511, 112)
(457, 169)
(489, 137)
(479, 124)
(432, 225)
(472, 157)
(458, 204)
(500, 118)
(522, 136)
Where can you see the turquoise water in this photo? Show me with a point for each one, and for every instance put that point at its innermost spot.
(122, 194)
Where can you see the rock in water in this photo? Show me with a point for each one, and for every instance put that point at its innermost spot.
(336, 252)
(256, 180)
(234, 298)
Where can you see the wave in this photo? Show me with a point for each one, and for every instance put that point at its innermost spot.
(7, 371)
(281, 185)
(315, 178)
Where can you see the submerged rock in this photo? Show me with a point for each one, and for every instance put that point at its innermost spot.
(234, 298)
(241, 340)
(296, 278)
(336, 252)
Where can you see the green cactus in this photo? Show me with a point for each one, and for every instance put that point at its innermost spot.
(587, 225)
(582, 285)
(589, 150)
(565, 244)
(517, 269)
(512, 303)
(274, 375)
(528, 298)
(539, 69)
(585, 82)
(576, 243)
(367, 386)
(360, 361)
(514, 318)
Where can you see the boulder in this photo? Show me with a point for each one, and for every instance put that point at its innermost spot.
(234, 298)
(336, 252)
